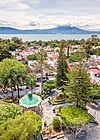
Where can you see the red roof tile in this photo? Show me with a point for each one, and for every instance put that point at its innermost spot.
(96, 71)
(70, 66)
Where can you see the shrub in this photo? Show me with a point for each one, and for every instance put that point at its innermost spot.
(56, 123)
(7, 100)
(31, 57)
(49, 85)
(60, 108)
(60, 100)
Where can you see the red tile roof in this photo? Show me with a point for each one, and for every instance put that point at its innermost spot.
(96, 71)
(70, 66)
(54, 57)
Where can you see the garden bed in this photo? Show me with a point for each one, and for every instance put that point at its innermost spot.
(50, 132)
(61, 98)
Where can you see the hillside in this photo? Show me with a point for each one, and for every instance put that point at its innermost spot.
(56, 30)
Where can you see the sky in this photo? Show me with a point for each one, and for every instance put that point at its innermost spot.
(44, 14)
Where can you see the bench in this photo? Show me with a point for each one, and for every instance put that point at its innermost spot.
(60, 136)
(53, 136)
(45, 138)
(62, 133)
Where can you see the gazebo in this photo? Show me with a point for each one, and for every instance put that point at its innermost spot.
(31, 101)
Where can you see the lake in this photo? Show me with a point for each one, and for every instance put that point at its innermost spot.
(46, 37)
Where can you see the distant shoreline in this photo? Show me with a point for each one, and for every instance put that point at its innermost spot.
(47, 37)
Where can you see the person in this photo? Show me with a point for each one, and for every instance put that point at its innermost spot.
(95, 114)
(54, 110)
(49, 101)
(45, 124)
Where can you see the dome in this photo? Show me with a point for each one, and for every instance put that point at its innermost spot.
(30, 100)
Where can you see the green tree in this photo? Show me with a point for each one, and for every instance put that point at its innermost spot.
(93, 51)
(49, 85)
(41, 57)
(16, 40)
(11, 46)
(4, 53)
(79, 86)
(62, 67)
(75, 56)
(20, 76)
(24, 127)
(31, 57)
(31, 81)
(10, 72)
(56, 123)
(75, 118)
(94, 38)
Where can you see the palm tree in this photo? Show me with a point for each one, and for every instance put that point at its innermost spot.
(31, 80)
(18, 82)
(9, 79)
(19, 78)
(41, 65)
(11, 72)
(41, 57)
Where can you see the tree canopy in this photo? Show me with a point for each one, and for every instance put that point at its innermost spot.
(76, 55)
(79, 86)
(4, 52)
(74, 117)
(24, 127)
(9, 111)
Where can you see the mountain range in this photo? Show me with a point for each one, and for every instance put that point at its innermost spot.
(56, 30)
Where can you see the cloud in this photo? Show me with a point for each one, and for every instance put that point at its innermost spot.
(32, 23)
(30, 14)
(13, 5)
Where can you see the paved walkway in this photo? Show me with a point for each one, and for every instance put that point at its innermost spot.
(95, 112)
(47, 112)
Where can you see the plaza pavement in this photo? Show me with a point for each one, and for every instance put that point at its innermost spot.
(95, 112)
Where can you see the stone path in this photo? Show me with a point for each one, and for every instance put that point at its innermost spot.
(47, 111)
